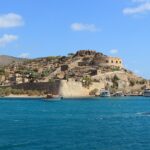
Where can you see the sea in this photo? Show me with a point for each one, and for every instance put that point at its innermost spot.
(75, 124)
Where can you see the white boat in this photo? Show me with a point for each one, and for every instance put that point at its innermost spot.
(146, 93)
(104, 93)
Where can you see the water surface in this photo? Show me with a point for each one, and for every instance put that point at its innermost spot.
(84, 124)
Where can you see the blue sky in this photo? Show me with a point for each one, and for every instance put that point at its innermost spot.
(30, 28)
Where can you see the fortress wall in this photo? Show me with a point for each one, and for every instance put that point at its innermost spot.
(63, 88)
(75, 89)
(52, 88)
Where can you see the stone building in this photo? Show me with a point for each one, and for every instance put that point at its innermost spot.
(107, 61)
(111, 61)
(82, 53)
(91, 57)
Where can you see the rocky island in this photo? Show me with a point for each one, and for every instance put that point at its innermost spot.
(84, 73)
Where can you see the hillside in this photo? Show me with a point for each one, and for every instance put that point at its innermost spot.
(81, 74)
(6, 60)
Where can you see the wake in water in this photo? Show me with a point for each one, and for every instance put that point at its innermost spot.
(143, 113)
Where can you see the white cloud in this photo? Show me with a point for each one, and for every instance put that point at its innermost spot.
(142, 8)
(84, 27)
(11, 20)
(113, 51)
(7, 38)
(24, 55)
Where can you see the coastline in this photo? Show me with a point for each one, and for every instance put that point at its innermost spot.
(55, 97)
(66, 98)
(21, 96)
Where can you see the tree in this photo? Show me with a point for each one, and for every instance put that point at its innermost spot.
(115, 81)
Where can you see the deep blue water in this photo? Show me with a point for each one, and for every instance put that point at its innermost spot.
(89, 124)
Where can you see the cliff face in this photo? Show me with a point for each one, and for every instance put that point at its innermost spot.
(80, 74)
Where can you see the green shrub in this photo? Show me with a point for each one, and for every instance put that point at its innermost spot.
(116, 69)
(2, 71)
(45, 73)
(86, 81)
(7, 91)
(115, 80)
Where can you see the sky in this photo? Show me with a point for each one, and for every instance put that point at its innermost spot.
(38, 28)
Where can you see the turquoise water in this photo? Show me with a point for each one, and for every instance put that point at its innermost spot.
(83, 124)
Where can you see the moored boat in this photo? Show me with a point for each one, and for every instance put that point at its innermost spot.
(104, 93)
(51, 97)
(146, 93)
(118, 94)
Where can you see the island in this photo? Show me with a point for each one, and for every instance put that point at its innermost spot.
(79, 74)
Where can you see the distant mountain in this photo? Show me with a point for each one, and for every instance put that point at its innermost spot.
(6, 60)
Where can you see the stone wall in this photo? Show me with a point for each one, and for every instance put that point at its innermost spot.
(110, 61)
(52, 88)
(70, 88)
(73, 88)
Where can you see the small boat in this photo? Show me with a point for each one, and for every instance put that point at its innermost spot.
(104, 93)
(51, 97)
(146, 93)
(118, 94)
